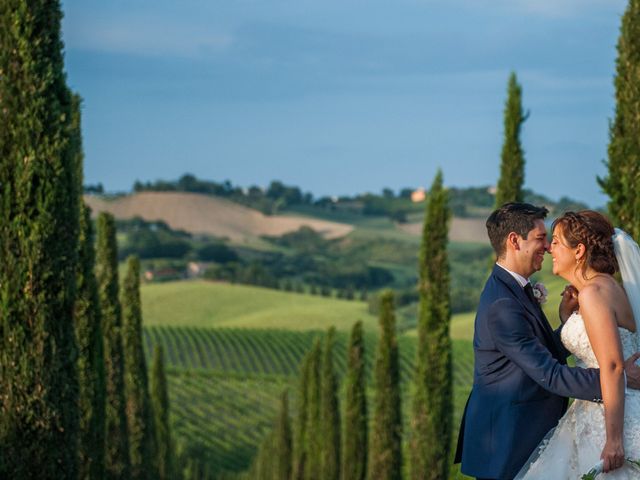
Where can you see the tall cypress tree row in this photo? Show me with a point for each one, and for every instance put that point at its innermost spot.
(330, 413)
(139, 413)
(300, 443)
(622, 183)
(432, 399)
(313, 444)
(39, 224)
(512, 156)
(90, 362)
(160, 406)
(354, 462)
(117, 463)
(385, 453)
(283, 441)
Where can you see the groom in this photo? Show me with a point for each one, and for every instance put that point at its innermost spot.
(521, 380)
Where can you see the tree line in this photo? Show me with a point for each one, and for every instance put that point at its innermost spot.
(324, 442)
(466, 202)
(269, 201)
(74, 392)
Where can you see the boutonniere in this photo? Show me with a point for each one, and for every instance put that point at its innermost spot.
(540, 292)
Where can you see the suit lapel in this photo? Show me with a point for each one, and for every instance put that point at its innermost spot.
(535, 309)
(506, 278)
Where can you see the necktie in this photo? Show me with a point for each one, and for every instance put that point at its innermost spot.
(528, 289)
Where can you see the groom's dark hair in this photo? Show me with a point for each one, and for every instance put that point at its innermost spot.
(512, 217)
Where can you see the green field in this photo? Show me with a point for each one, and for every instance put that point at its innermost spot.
(210, 304)
(231, 350)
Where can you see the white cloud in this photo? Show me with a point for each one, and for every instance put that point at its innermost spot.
(145, 36)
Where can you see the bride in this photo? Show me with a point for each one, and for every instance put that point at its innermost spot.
(587, 252)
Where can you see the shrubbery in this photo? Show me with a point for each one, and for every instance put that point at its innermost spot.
(151, 240)
(157, 240)
(216, 252)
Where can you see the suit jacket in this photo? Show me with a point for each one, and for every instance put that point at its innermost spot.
(521, 382)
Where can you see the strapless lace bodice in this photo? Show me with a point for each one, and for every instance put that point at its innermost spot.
(575, 339)
(574, 446)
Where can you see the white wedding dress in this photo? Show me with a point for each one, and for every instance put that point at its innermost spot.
(572, 448)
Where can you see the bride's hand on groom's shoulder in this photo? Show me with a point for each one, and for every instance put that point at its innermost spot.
(633, 371)
(569, 302)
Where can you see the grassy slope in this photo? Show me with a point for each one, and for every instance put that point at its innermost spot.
(210, 304)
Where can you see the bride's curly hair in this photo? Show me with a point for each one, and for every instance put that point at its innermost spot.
(595, 232)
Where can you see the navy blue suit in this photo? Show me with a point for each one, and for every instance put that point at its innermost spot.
(520, 382)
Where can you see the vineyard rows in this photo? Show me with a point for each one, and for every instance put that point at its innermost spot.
(224, 384)
(272, 352)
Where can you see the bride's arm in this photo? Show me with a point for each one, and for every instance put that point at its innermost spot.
(602, 329)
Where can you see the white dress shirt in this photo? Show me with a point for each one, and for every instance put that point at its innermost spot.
(519, 278)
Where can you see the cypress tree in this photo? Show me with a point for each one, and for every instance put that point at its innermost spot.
(385, 453)
(330, 413)
(622, 184)
(160, 407)
(139, 412)
(432, 399)
(283, 445)
(39, 225)
(300, 445)
(265, 465)
(512, 156)
(313, 444)
(90, 363)
(117, 464)
(354, 462)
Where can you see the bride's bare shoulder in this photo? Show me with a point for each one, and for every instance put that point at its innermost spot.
(604, 292)
(596, 291)
(600, 293)
(602, 284)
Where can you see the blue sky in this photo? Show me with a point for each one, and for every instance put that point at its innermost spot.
(342, 97)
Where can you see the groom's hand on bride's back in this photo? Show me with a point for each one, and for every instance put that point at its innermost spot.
(633, 371)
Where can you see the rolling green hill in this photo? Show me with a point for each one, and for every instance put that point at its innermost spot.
(230, 351)
(211, 304)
